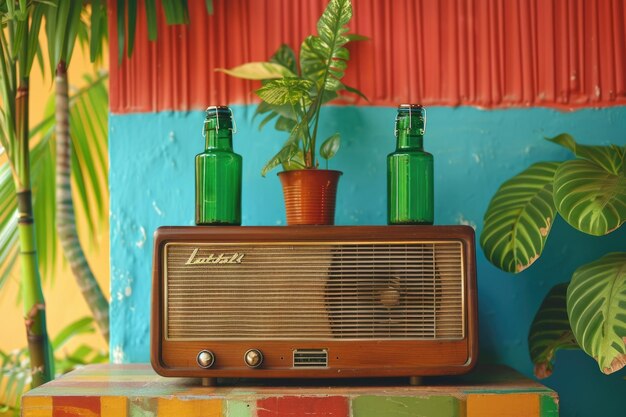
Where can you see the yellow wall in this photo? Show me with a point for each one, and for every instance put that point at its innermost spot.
(64, 301)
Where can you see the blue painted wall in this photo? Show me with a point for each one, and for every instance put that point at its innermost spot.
(152, 184)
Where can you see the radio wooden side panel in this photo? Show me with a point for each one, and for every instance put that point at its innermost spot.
(401, 294)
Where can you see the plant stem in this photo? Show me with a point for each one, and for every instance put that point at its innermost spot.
(41, 362)
(65, 218)
(310, 152)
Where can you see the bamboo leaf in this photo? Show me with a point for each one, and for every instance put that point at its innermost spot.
(550, 331)
(176, 11)
(72, 29)
(20, 32)
(330, 146)
(258, 71)
(121, 29)
(33, 35)
(590, 198)
(58, 32)
(595, 305)
(43, 180)
(95, 40)
(519, 218)
(132, 25)
(151, 18)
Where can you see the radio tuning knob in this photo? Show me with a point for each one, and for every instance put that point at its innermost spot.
(253, 358)
(205, 359)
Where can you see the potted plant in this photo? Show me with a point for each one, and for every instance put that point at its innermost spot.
(589, 192)
(292, 94)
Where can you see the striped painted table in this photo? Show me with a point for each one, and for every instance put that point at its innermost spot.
(135, 390)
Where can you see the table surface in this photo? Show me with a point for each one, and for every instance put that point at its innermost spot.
(136, 390)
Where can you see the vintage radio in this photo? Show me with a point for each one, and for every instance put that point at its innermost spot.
(328, 301)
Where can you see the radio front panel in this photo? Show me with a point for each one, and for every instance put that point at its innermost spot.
(311, 301)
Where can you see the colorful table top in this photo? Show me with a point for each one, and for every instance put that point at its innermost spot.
(135, 390)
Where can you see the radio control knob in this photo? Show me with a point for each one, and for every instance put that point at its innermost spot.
(253, 358)
(205, 359)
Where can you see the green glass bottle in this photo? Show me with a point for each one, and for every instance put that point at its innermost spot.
(218, 172)
(410, 195)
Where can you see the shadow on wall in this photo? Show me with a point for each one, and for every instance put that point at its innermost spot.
(152, 184)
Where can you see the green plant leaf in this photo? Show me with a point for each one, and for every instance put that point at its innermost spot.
(209, 6)
(258, 71)
(590, 198)
(550, 331)
(296, 161)
(285, 124)
(74, 26)
(611, 158)
(322, 57)
(286, 57)
(519, 218)
(88, 127)
(81, 326)
(43, 156)
(97, 29)
(176, 11)
(596, 302)
(285, 91)
(330, 146)
(33, 35)
(132, 25)
(121, 29)
(355, 91)
(353, 37)
(286, 156)
(151, 18)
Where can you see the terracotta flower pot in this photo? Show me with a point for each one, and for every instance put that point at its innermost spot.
(310, 196)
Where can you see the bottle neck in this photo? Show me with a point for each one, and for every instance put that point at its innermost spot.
(218, 136)
(410, 133)
(410, 140)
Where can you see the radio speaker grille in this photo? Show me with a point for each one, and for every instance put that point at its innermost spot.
(314, 291)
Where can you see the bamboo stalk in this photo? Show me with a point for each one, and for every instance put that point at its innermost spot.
(41, 360)
(65, 218)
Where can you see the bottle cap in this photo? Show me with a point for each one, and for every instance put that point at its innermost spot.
(411, 110)
(222, 111)
(216, 113)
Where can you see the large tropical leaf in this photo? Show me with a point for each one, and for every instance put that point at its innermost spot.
(258, 71)
(611, 157)
(550, 331)
(590, 198)
(596, 305)
(323, 57)
(519, 218)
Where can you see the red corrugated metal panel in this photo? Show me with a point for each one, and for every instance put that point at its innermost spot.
(489, 53)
